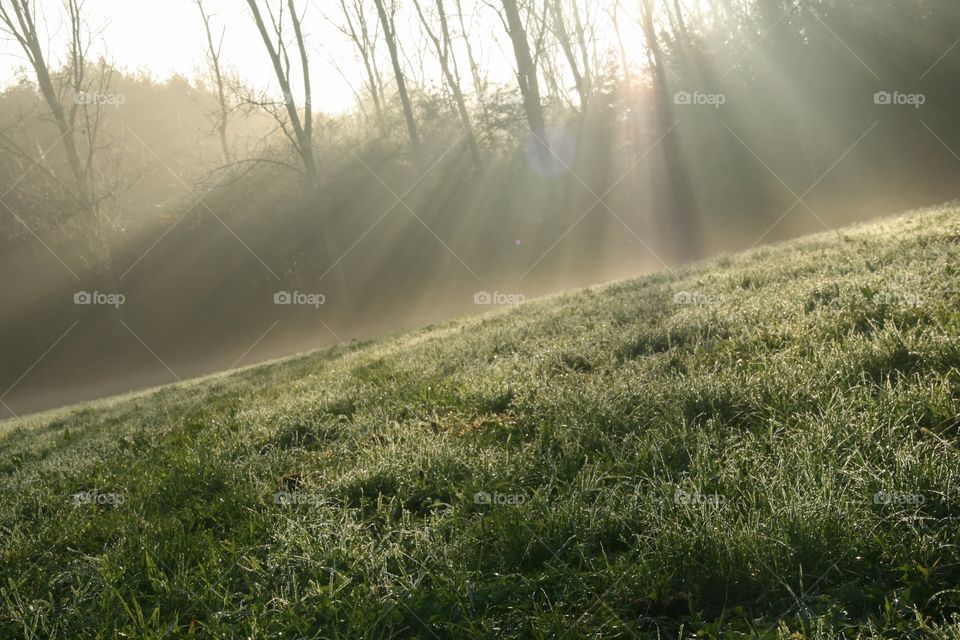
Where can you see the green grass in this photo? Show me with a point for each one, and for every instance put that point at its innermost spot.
(806, 379)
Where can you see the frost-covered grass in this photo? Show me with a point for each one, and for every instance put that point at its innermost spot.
(761, 444)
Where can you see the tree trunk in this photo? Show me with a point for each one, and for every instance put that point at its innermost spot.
(527, 79)
(367, 53)
(307, 143)
(448, 65)
(387, 23)
(682, 208)
(581, 33)
(218, 78)
(304, 142)
(479, 82)
(563, 37)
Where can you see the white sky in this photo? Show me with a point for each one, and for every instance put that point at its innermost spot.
(167, 37)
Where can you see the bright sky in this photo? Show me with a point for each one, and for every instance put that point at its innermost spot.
(167, 37)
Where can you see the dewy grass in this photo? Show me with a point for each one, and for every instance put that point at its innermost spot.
(764, 444)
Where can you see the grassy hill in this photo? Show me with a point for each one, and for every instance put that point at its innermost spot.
(761, 444)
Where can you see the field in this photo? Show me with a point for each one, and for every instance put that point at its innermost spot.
(762, 444)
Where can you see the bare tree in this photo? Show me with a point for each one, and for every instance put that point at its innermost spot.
(77, 97)
(358, 30)
(443, 45)
(580, 31)
(17, 19)
(213, 55)
(302, 127)
(477, 75)
(479, 79)
(527, 79)
(547, 65)
(682, 204)
(580, 77)
(387, 23)
(622, 49)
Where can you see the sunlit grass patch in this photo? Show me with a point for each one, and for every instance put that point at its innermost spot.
(771, 452)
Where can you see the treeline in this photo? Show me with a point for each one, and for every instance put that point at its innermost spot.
(637, 134)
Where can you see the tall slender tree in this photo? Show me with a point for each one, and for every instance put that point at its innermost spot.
(213, 57)
(682, 204)
(302, 127)
(358, 30)
(562, 34)
(18, 19)
(527, 80)
(443, 46)
(389, 34)
(479, 80)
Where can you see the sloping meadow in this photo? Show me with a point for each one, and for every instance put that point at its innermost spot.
(763, 444)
